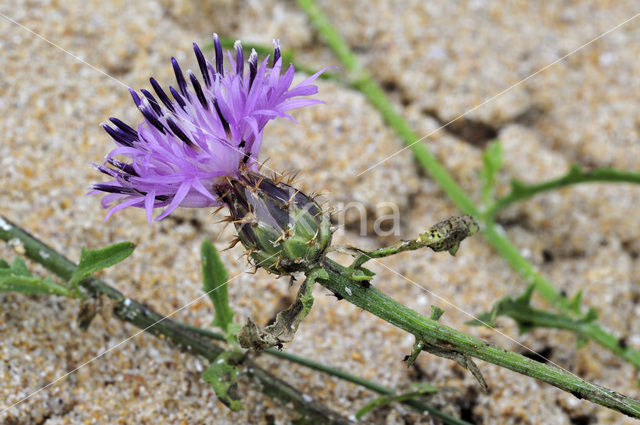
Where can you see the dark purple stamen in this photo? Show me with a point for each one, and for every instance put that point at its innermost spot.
(108, 171)
(124, 127)
(162, 95)
(198, 89)
(178, 98)
(202, 63)
(242, 144)
(120, 136)
(219, 57)
(147, 112)
(179, 133)
(114, 173)
(126, 168)
(225, 123)
(253, 68)
(276, 54)
(136, 98)
(239, 59)
(105, 187)
(182, 83)
(153, 102)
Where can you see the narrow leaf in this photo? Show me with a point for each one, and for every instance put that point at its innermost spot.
(528, 318)
(92, 261)
(32, 285)
(214, 278)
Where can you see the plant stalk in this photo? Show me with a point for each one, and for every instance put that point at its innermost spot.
(526, 191)
(364, 82)
(177, 334)
(445, 338)
(346, 376)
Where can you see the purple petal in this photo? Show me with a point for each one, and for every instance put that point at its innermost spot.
(177, 198)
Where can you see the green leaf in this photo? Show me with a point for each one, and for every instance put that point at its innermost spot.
(528, 318)
(362, 274)
(215, 278)
(19, 268)
(32, 285)
(17, 278)
(525, 298)
(492, 162)
(575, 302)
(417, 390)
(93, 260)
(591, 316)
(518, 188)
(222, 375)
(436, 312)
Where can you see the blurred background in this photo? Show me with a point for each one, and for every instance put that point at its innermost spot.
(436, 60)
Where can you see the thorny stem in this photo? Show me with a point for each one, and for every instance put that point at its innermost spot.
(438, 335)
(422, 407)
(364, 82)
(179, 335)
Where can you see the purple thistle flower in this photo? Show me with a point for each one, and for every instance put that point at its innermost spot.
(185, 147)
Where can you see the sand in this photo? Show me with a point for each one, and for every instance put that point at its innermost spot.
(436, 60)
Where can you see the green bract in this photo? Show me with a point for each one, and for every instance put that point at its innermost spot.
(284, 230)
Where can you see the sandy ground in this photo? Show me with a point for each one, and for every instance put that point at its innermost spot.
(436, 60)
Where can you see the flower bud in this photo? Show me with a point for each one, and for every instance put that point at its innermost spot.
(284, 230)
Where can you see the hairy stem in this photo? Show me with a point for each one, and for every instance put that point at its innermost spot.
(346, 376)
(177, 334)
(445, 338)
(364, 82)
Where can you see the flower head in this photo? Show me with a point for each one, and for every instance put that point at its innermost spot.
(210, 130)
(283, 230)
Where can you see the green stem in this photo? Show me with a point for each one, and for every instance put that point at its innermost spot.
(443, 236)
(177, 334)
(522, 191)
(443, 337)
(525, 269)
(313, 412)
(422, 407)
(364, 83)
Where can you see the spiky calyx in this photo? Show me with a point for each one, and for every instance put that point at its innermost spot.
(284, 230)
